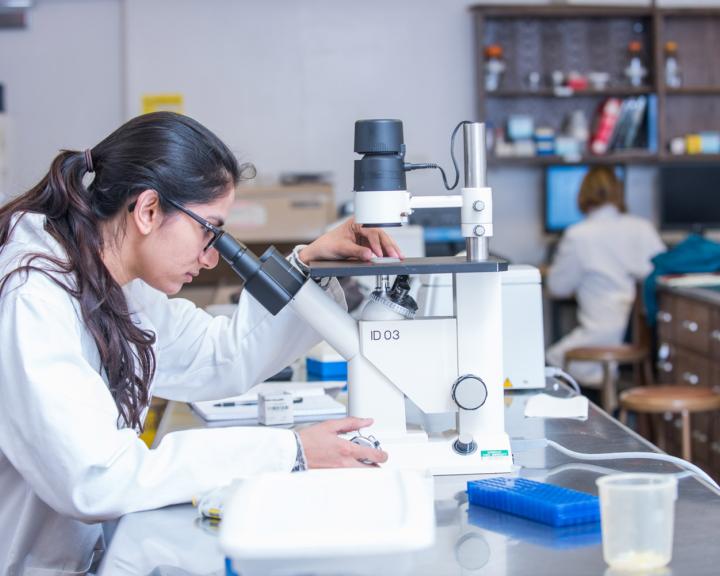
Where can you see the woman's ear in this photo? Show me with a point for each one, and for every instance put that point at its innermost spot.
(147, 214)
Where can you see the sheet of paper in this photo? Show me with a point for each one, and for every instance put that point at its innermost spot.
(546, 406)
(297, 387)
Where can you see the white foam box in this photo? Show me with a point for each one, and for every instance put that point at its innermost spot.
(362, 521)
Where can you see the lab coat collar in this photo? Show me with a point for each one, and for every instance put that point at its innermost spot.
(28, 238)
(29, 228)
(603, 212)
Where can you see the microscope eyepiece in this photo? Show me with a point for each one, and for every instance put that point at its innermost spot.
(379, 183)
(382, 167)
(379, 137)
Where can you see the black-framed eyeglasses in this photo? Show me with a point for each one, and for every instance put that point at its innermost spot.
(214, 230)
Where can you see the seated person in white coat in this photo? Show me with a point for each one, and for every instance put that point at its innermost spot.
(88, 258)
(599, 260)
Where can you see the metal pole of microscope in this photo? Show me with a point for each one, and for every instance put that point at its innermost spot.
(475, 177)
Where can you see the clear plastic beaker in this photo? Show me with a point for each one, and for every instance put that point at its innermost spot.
(637, 513)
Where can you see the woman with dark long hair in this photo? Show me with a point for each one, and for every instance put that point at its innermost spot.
(88, 258)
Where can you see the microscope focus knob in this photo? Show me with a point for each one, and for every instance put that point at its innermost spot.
(464, 445)
(367, 441)
(469, 392)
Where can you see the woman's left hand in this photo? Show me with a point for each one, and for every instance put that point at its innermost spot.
(351, 240)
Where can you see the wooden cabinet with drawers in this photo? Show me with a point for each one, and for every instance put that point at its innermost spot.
(688, 352)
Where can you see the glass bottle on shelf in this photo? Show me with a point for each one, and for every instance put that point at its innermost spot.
(494, 67)
(635, 71)
(673, 78)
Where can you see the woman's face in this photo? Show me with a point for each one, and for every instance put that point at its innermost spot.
(174, 253)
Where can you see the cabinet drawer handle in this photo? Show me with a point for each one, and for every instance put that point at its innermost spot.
(699, 436)
(715, 335)
(690, 326)
(690, 378)
(665, 366)
(663, 352)
(715, 447)
(664, 317)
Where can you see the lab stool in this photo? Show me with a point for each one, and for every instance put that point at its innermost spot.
(683, 400)
(610, 356)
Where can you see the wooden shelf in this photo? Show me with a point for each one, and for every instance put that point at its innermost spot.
(695, 12)
(581, 11)
(635, 157)
(559, 11)
(629, 157)
(544, 38)
(550, 93)
(690, 158)
(695, 90)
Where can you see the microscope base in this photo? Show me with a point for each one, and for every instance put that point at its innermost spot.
(492, 456)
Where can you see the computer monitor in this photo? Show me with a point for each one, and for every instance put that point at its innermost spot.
(442, 231)
(690, 197)
(562, 186)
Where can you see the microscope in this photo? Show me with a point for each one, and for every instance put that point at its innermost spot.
(439, 364)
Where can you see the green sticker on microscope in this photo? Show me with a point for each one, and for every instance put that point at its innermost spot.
(493, 453)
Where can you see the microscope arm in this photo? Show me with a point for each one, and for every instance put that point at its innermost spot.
(446, 201)
(275, 283)
(326, 316)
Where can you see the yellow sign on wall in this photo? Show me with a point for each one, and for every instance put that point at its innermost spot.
(170, 102)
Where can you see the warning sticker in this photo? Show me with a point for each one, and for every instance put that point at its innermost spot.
(494, 453)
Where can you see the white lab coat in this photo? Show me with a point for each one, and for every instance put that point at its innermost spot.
(599, 260)
(65, 465)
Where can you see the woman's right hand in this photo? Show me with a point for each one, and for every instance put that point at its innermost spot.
(325, 449)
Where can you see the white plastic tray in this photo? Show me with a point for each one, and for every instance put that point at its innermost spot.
(349, 521)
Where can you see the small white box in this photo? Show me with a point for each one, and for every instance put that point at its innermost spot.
(275, 408)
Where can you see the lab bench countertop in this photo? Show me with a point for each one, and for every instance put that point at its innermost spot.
(708, 292)
(470, 540)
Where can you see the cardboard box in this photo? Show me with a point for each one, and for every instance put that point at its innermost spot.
(281, 214)
(205, 295)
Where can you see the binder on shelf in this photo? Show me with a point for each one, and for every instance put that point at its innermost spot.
(637, 114)
(605, 126)
(621, 126)
(652, 124)
(627, 134)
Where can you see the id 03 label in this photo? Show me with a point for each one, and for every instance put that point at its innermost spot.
(378, 335)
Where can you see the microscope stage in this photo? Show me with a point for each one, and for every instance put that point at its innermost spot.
(408, 266)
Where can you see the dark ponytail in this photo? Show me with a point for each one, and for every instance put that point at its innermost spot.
(172, 154)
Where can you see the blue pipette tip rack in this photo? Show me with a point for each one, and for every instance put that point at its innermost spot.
(546, 503)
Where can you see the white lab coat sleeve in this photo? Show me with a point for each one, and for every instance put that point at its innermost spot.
(649, 244)
(204, 358)
(566, 271)
(59, 426)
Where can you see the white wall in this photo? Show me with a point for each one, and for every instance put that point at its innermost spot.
(282, 81)
(62, 83)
